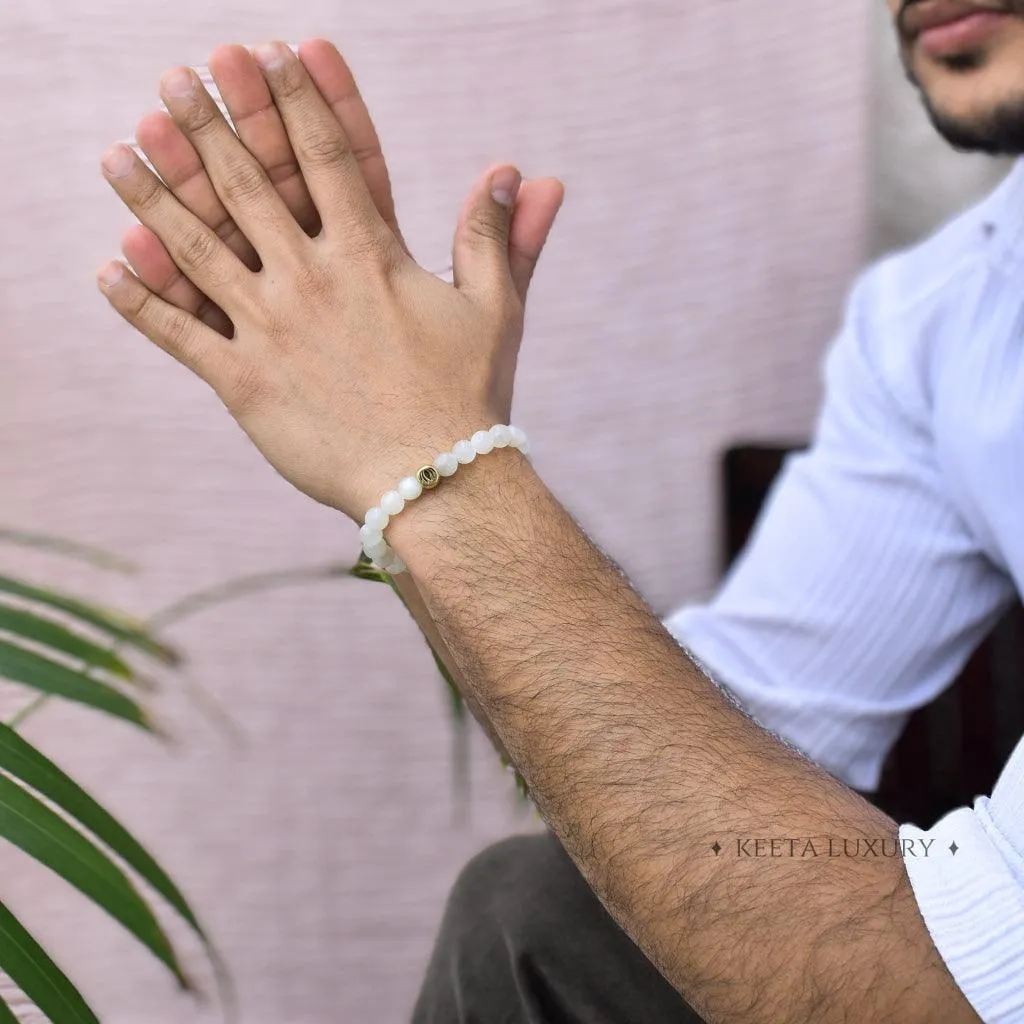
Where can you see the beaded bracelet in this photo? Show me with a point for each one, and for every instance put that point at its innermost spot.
(410, 488)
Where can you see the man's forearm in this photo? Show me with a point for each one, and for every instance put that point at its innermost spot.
(640, 766)
(346, 357)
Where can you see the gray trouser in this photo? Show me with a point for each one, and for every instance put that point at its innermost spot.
(525, 941)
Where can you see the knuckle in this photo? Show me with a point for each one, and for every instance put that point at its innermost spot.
(169, 327)
(199, 118)
(138, 306)
(149, 193)
(486, 226)
(173, 332)
(243, 183)
(322, 147)
(196, 252)
(371, 248)
(316, 283)
(177, 328)
(378, 252)
(275, 326)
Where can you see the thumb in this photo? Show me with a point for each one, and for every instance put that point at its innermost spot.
(536, 208)
(480, 257)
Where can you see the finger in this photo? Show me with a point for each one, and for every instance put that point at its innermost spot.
(240, 181)
(336, 83)
(193, 344)
(178, 163)
(156, 270)
(196, 250)
(532, 219)
(258, 123)
(324, 151)
(481, 254)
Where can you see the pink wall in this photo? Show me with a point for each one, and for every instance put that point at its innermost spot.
(714, 155)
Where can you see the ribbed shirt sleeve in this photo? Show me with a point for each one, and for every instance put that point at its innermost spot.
(862, 592)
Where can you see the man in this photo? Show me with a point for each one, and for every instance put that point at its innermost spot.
(884, 555)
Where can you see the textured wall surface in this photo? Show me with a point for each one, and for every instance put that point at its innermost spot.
(716, 159)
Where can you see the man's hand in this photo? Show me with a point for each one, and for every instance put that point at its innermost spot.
(349, 364)
(260, 127)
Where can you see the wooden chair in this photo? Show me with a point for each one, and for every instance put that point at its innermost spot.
(953, 749)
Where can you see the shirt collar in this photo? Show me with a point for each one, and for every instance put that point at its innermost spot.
(1002, 216)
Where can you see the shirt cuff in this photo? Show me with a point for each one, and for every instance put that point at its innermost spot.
(972, 901)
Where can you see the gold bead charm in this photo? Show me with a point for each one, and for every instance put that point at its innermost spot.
(428, 477)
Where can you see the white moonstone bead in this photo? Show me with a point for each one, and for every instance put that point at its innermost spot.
(518, 437)
(377, 519)
(446, 464)
(368, 535)
(410, 488)
(464, 452)
(375, 549)
(482, 442)
(501, 436)
(392, 503)
(397, 566)
(386, 560)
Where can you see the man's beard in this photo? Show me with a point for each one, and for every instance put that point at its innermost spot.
(1000, 132)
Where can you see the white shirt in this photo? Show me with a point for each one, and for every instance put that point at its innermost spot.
(886, 553)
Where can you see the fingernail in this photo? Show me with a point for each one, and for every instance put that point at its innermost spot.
(268, 55)
(505, 185)
(110, 275)
(178, 83)
(118, 161)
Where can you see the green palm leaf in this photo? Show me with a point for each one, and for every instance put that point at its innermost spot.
(30, 626)
(66, 647)
(126, 631)
(26, 822)
(30, 669)
(24, 762)
(25, 962)
(7, 1014)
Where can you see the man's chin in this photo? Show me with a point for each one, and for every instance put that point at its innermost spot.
(974, 99)
(999, 132)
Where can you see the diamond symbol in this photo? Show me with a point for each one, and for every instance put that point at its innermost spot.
(953, 847)
(716, 848)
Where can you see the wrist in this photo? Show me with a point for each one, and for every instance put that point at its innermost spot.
(388, 457)
(411, 488)
(445, 526)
